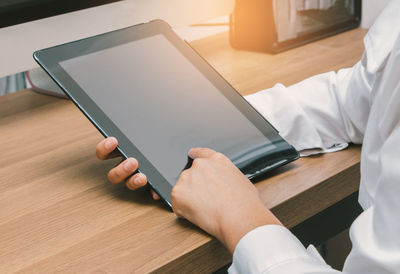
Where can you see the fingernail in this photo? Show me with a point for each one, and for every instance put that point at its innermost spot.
(129, 165)
(109, 144)
(155, 196)
(137, 181)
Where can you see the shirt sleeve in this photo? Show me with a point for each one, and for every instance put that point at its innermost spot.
(326, 111)
(374, 234)
(274, 249)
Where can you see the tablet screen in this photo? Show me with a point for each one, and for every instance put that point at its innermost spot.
(164, 104)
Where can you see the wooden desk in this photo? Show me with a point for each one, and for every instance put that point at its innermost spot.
(59, 213)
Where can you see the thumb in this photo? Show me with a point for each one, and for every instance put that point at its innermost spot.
(200, 152)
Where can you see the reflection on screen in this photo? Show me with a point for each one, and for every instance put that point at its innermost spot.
(163, 104)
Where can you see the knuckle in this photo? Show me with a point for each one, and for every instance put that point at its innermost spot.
(200, 162)
(116, 175)
(174, 194)
(177, 200)
(196, 162)
(111, 177)
(177, 189)
(117, 172)
(99, 153)
(218, 156)
(183, 177)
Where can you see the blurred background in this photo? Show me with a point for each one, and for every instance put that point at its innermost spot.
(30, 25)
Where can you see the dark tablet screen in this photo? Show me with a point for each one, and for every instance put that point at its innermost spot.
(163, 104)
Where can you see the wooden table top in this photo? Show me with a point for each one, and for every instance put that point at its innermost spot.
(59, 213)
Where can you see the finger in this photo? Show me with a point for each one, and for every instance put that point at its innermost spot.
(136, 181)
(155, 195)
(125, 169)
(200, 152)
(176, 210)
(176, 198)
(105, 148)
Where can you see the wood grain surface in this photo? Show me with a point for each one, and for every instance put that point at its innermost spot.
(58, 213)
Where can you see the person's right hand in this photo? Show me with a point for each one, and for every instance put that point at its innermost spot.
(124, 171)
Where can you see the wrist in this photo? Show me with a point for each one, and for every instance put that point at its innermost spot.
(233, 227)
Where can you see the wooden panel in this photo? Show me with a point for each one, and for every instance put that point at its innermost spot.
(19, 102)
(59, 213)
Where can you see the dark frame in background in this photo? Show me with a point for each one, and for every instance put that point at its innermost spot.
(252, 27)
(325, 32)
(13, 12)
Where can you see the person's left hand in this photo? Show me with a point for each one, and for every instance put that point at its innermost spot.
(215, 195)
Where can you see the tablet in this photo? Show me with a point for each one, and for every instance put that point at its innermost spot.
(148, 88)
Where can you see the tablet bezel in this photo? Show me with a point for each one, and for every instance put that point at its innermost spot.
(50, 58)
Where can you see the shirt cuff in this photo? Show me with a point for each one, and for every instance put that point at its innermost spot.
(285, 114)
(268, 247)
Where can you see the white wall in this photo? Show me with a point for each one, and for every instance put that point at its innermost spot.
(370, 10)
(17, 43)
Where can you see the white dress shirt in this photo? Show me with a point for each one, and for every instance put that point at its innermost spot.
(359, 105)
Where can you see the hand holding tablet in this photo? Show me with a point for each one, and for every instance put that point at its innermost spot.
(124, 172)
(216, 196)
(205, 194)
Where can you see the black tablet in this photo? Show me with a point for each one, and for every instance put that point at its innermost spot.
(159, 98)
